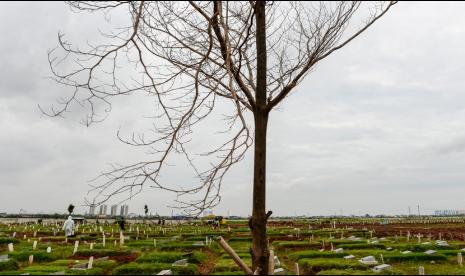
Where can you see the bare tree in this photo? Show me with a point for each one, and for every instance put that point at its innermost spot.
(191, 55)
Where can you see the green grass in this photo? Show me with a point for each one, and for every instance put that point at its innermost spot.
(97, 253)
(313, 266)
(9, 265)
(8, 240)
(349, 246)
(357, 272)
(153, 268)
(171, 257)
(413, 257)
(23, 256)
(315, 254)
(225, 265)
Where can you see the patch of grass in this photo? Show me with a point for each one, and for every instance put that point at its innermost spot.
(241, 255)
(153, 268)
(9, 265)
(92, 271)
(294, 244)
(23, 256)
(358, 272)
(44, 268)
(178, 245)
(228, 265)
(313, 266)
(170, 257)
(315, 254)
(229, 273)
(101, 253)
(11, 272)
(413, 257)
(349, 246)
(424, 247)
(8, 240)
(249, 239)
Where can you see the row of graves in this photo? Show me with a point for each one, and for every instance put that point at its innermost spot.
(192, 248)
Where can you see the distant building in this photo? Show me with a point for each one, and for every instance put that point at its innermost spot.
(449, 212)
(124, 210)
(92, 210)
(114, 210)
(103, 210)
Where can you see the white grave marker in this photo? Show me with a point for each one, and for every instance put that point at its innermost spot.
(76, 246)
(91, 261)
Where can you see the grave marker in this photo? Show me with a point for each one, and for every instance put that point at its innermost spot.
(76, 245)
(296, 268)
(91, 261)
(421, 270)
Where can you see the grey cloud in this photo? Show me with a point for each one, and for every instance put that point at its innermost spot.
(377, 127)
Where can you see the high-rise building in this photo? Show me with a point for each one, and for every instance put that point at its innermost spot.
(103, 210)
(114, 210)
(92, 210)
(124, 210)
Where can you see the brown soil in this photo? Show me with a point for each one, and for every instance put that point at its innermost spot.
(206, 268)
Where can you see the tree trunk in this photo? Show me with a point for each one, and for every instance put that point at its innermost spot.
(260, 252)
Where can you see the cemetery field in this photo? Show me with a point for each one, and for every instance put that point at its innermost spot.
(343, 246)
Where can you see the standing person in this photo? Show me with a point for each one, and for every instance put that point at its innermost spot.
(68, 226)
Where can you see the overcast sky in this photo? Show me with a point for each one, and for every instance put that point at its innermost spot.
(377, 127)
